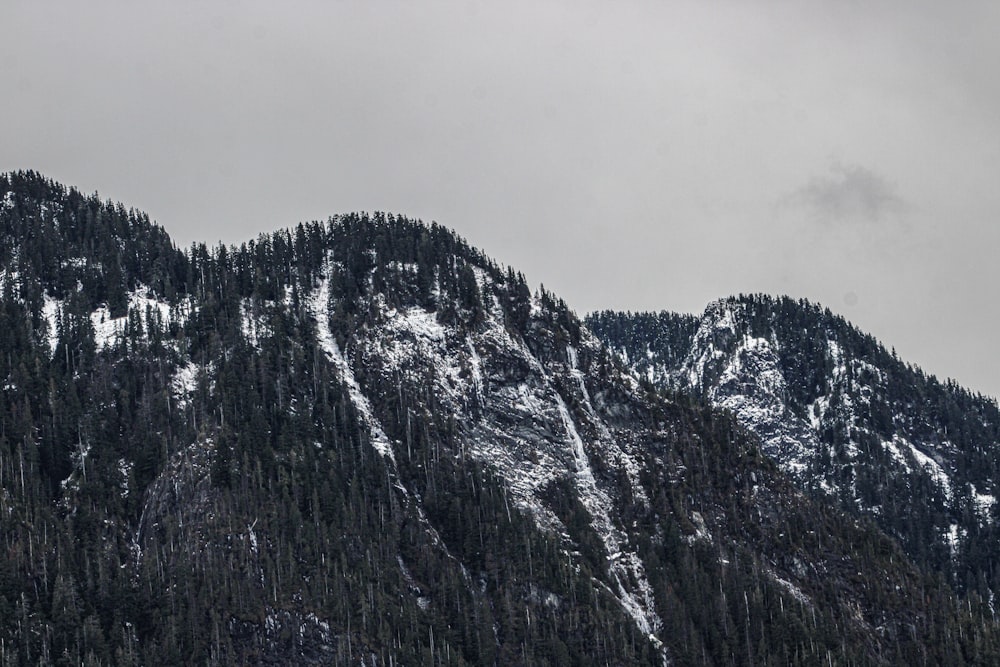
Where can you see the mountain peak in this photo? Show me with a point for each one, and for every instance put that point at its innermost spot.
(57, 239)
(840, 414)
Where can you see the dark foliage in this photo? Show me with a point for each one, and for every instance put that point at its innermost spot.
(202, 486)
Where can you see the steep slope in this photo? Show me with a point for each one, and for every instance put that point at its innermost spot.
(843, 416)
(363, 441)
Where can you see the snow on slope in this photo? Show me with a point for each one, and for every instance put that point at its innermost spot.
(748, 381)
(743, 374)
(142, 304)
(318, 307)
(522, 428)
(825, 412)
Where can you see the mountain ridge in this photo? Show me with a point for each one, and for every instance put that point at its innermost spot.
(364, 440)
(839, 412)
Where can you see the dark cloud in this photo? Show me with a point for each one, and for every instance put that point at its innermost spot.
(848, 193)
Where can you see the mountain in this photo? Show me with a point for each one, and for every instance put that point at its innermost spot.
(363, 441)
(845, 418)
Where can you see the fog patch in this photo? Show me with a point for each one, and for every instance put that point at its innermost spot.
(848, 193)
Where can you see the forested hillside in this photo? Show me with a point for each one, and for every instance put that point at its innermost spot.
(361, 440)
(844, 416)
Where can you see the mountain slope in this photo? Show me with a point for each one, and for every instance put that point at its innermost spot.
(363, 440)
(843, 416)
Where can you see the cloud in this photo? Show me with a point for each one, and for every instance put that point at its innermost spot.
(848, 193)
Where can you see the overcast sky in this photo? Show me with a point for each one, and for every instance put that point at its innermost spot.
(629, 155)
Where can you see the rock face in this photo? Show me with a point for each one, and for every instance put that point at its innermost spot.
(847, 420)
(363, 441)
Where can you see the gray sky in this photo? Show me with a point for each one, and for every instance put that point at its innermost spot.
(631, 155)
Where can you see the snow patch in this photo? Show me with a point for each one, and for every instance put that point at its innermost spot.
(124, 470)
(934, 469)
(983, 502)
(895, 453)
(185, 382)
(421, 324)
(701, 531)
(624, 566)
(794, 590)
(318, 307)
(149, 310)
(51, 308)
(954, 536)
(404, 267)
(571, 357)
(477, 368)
(252, 535)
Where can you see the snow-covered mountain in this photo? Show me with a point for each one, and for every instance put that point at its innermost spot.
(363, 441)
(841, 415)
